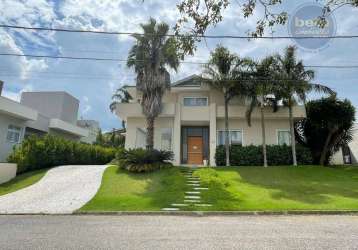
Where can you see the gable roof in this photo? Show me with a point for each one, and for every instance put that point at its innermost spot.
(190, 81)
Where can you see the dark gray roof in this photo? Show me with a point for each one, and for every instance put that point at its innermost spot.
(190, 81)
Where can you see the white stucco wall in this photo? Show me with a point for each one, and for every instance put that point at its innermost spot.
(354, 145)
(7, 172)
(134, 123)
(5, 146)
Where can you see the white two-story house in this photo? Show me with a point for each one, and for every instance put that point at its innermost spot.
(192, 122)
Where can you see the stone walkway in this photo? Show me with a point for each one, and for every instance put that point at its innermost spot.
(193, 196)
(61, 191)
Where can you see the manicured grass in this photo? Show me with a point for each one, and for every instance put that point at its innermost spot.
(232, 189)
(22, 181)
(123, 191)
(280, 188)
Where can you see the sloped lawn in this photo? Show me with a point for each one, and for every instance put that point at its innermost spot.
(232, 189)
(123, 191)
(22, 181)
(281, 188)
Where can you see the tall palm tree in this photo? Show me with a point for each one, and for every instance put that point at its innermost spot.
(293, 86)
(224, 72)
(120, 96)
(260, 93)
(151, 56)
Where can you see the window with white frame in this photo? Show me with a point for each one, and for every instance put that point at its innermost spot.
(283, 137)
(195, 101)
(235, 137)
(13, 134)
(166, 139)
(141, 136)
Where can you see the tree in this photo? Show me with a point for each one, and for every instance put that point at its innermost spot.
(327, 128)
(151, 57)
(260, 93)
(196, 16)
(99, 138)
(225, 72)
(293, 83)
(120, 96)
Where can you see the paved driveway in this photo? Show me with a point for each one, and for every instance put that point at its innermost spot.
(62, 190)
(176, 232)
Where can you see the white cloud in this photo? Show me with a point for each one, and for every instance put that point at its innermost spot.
(94, 82)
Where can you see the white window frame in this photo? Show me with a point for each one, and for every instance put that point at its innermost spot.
(14, 131)
(191, 97)
(143, 130)
(283, 130)
(230, 130)
(171, 140)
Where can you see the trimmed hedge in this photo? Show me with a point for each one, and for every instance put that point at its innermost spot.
(48, 151)
(252, 155)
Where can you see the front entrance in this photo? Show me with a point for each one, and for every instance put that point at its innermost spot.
(194, 145)
(195, 150)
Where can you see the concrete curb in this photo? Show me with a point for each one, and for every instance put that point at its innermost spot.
(198, 213)
(222, 213)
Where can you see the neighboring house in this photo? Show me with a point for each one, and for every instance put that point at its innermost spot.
(13, 120)
(38, 113)
(349, 154)
(93, 128)
(192, 122)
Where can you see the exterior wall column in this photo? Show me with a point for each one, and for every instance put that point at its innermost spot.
(212, 140)
(177, 134)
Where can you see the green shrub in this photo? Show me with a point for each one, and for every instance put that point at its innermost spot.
(252, 155)
(141, 160)
(48, 151)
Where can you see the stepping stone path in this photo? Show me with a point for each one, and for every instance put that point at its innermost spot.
(192, 197)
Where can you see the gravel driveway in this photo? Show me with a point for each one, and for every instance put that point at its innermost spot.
(62, 190)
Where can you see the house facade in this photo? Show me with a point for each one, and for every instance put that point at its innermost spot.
(38, 113)
(348, 154)
(192, 122)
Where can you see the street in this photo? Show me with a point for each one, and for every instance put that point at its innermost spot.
(178, 232)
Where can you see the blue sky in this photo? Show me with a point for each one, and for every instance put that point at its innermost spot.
(94, 82)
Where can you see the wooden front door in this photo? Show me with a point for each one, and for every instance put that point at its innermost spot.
(195, 150)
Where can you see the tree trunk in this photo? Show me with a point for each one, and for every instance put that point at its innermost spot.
(150, 133)
(227, 146)
(292, 131)
(324, 152)
(263, 134)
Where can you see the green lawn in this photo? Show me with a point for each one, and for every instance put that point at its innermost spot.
(123, 191)
(281, 188)
(22, 181)
(230, 189)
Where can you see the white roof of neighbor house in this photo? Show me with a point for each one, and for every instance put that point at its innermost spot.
(68, 127)
(15, 109)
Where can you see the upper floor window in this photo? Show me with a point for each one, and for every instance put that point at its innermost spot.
(235, 137)
(13, 134)
(283, 137)
(195, 101)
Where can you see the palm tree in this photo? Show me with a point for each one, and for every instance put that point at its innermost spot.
(293, 86)
(151, 57)
(259, 92)
(224, 72)
(120, 96)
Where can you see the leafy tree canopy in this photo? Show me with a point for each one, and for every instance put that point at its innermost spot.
(327, 127)
(198, 15)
